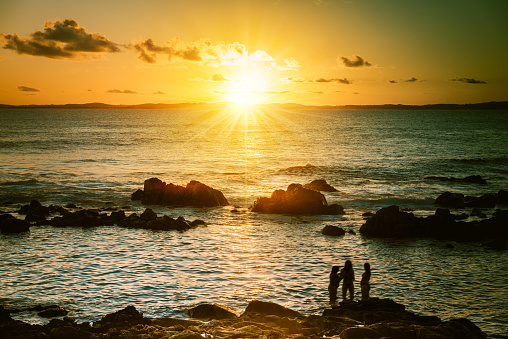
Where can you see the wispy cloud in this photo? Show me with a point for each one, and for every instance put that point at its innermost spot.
(159, 92)
(218, 77)
(355, 61)
(292, 80)
(120, 91)
(469, 81)
(289, 64)
(413, 79)
(28, 89)
(60, 40)
(340, 81)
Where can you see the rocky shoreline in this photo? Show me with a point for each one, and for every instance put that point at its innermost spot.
(374, 318)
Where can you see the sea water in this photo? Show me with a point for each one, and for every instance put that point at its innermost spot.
(96, 158)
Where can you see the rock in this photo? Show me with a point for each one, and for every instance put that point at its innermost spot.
(334, 231)
(54, 311)
(11, 225)
(211, 311)
(485, 201)
(148, 215)
(498, 244)
(320, 185)
(157, 192)
(502, 197)
(477, 213)
(296, 200)
(451, 200)
(390, 222)
(269, 308)
(126, 317)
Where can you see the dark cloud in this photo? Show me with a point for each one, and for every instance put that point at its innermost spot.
(28, 89)
(218, 77)
(340, 81)
(392, 81)
(413, 79)
(469, 80)
(59, 39)
(125, 91)
(159, 92)
(173, 49)
(356, 61)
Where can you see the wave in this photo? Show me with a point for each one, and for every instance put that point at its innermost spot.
(496, 160)
(29, 182)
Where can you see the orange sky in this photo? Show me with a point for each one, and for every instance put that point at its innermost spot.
(319, 52)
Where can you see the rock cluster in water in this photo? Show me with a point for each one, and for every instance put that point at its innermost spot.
(459, 200)
(38, 214)
(157, 192)
(472, 179)
(296, 200)
(375, 318)
(392, 222)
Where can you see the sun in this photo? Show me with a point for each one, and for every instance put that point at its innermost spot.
(250, 86)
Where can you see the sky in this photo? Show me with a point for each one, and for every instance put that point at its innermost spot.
(311, 52)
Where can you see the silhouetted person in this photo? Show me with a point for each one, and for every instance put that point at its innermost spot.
(347, 274)
(334, 283)
(365, 282)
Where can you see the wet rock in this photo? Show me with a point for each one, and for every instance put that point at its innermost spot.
(477, 213)
(451, 200)
(390, 222)
(264, 307)
(320, 185)
(54, 311)
(34, 212)
(502, 197)
(485, 201)
(211, 311)
(126, 317)
(157, 192)
(12, 225)
(333, 231)
(148, 215)
(296, 200)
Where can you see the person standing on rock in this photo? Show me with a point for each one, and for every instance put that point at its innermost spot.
(347, 274)
(334, 283)
(365, 282)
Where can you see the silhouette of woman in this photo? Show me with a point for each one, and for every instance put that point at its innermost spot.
(348, 275)
(365, 282)
(334, 283)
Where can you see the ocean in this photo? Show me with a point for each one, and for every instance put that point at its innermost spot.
(96, 158)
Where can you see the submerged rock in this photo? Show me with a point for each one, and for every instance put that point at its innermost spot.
(296, 200)
(333, 231)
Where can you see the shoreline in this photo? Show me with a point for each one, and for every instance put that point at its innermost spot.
(374, 318)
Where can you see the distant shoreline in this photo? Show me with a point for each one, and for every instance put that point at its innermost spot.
(497, 105)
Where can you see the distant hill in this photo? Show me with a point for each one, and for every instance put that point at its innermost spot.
(501, 105)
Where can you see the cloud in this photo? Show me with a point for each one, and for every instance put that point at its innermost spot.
(28, 89)
(125, 91)
(393, 81)
(218, 77)
(356, 61)
(469, 80)
(413, 79)
(289, 65)
(158, 92)
(292, 80)
(207, 52)
(340, 81)
(60, 40)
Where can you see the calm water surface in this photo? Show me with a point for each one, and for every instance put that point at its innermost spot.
(97, 158)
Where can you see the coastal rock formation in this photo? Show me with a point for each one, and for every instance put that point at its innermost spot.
(94, 218)
(157, 192)
(472, 179)
(333, 231)
(10, 224)
(296, 200)
(391, 222)
(374, 318)
(458, 200)
(320, 185)
(211, 311)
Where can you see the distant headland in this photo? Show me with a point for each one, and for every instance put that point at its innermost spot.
(495, 105)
